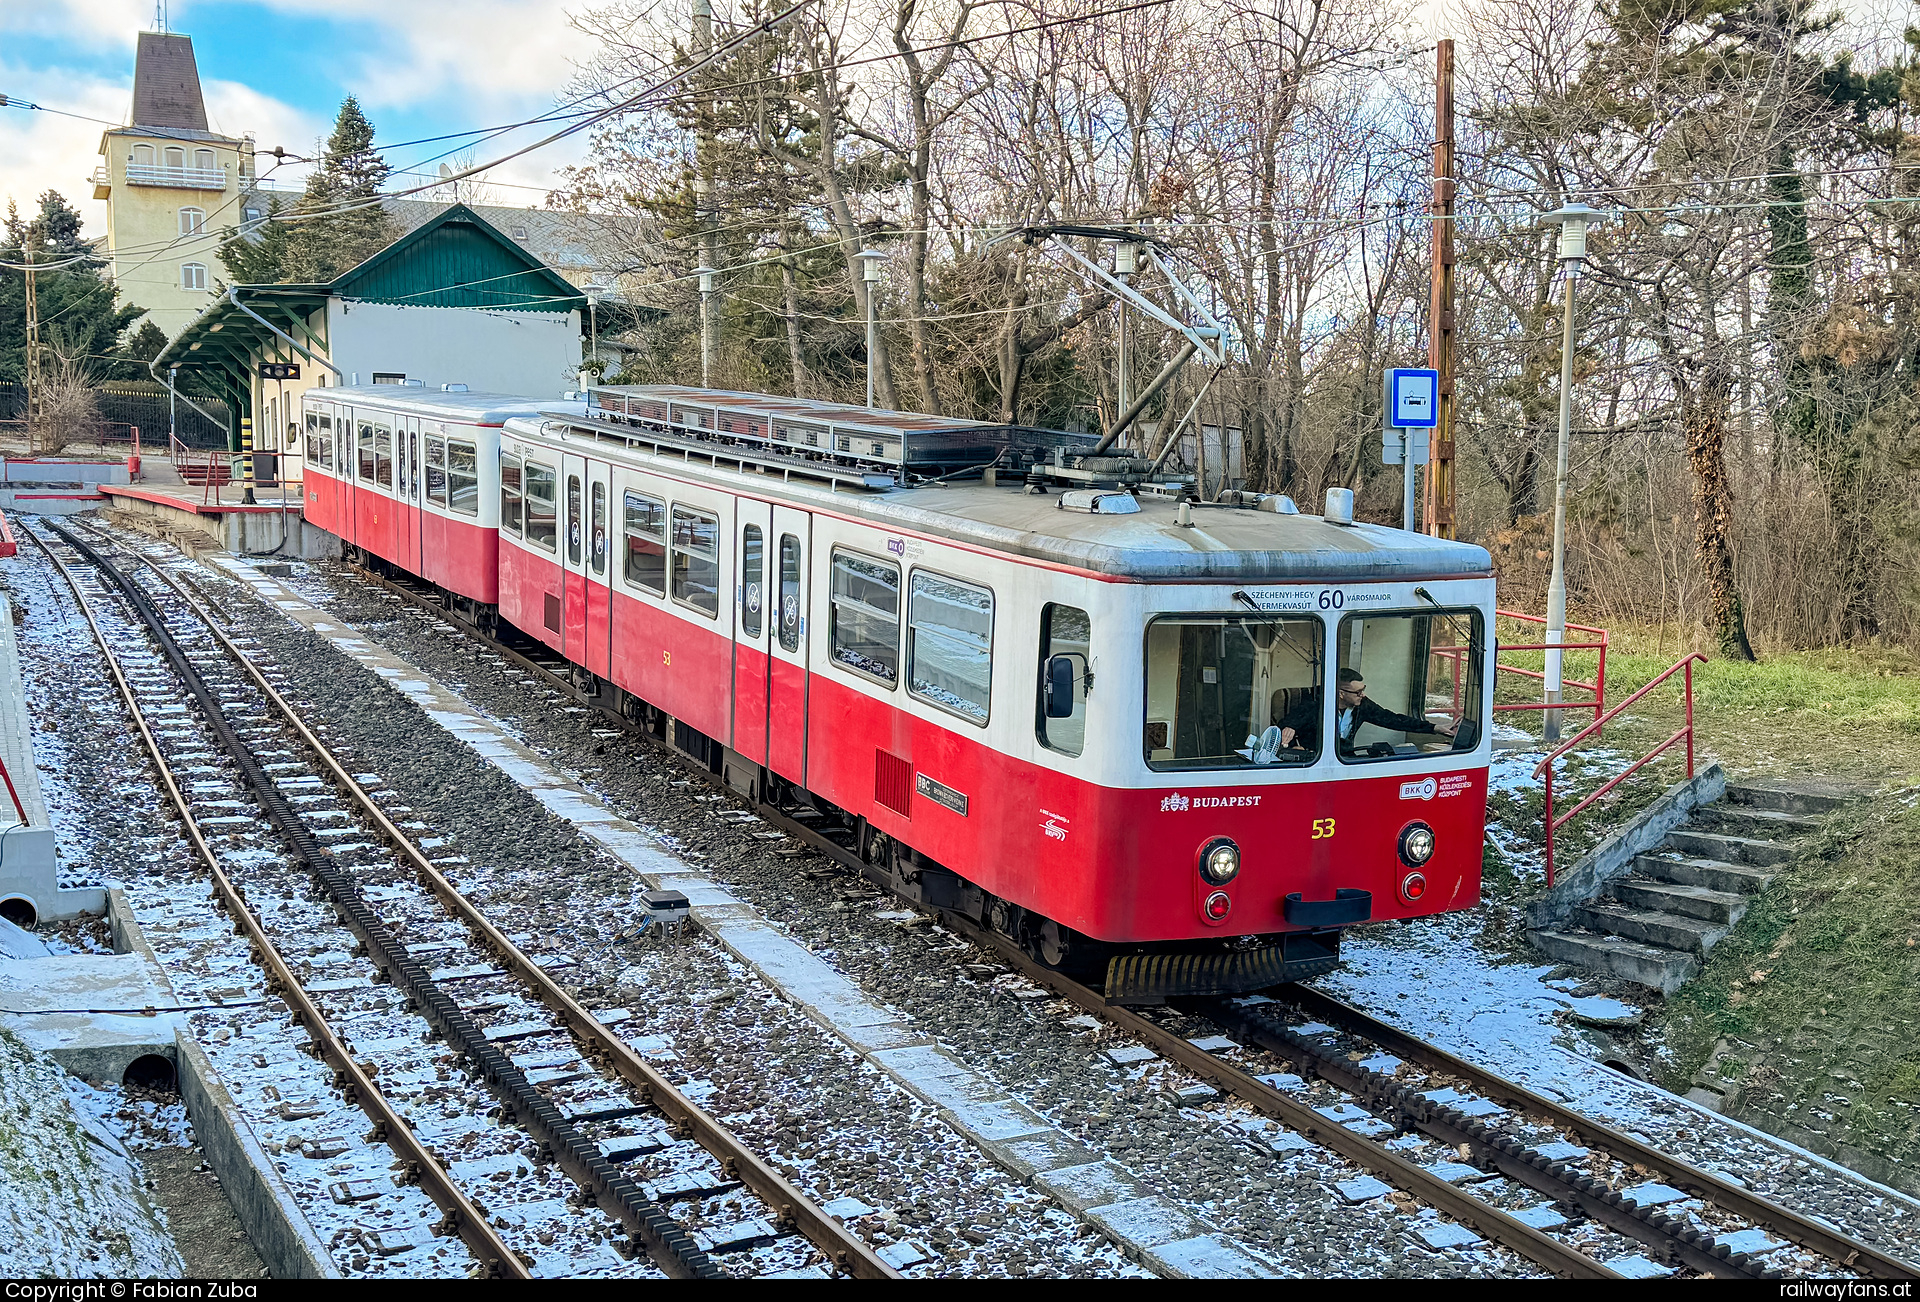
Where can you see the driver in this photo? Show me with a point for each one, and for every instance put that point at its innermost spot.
(1351, 709)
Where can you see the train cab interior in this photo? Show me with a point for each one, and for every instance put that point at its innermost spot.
(1238, 691)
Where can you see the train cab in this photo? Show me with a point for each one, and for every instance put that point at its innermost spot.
(411, 476)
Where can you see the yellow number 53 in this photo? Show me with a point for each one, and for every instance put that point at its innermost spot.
(1322, 829)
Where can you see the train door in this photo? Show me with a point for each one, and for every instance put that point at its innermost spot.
(790, 553)
(406, 491)
(754, 627)
(599, 559)
(573, 557)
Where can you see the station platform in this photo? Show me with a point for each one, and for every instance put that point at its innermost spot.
(273, 524)
(30, 890)
(56, 485)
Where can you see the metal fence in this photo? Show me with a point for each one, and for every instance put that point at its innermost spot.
(123, 405)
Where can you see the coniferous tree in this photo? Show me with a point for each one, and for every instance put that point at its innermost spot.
(81, 317)
(339, 222)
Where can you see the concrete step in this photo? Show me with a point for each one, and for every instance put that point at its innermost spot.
(1714, 874)
(1729, 848)
(1689, 901)
(1650, 927)
(1666, 970)
(1747, 820)
(1783, 800)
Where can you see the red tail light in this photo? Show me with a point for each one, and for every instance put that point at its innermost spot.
(1218, 906)
(1412, 887)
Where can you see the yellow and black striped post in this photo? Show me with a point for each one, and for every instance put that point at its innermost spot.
(246, 459)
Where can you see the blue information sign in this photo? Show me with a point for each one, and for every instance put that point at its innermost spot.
(1413, 398)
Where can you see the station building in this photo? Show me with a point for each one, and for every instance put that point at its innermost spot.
(453, 301)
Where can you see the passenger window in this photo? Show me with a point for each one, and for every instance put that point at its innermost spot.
(541, 523)
(1066, 636)
(573, 519)
(437, 470)
(463, 477)
(789, 592)
(509, 490)
(696, 559)
(413, 462)
(313, 438)
(383, 456)
(646, 565)
(404, 472)
(950, 644)
(752, 564)
(599, 528)
(865, 616)
(366, 452)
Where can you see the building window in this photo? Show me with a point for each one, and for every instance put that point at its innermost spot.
(696, 559)
(142, 156)
(193, 220)
(204, 160)
(519, 232)
(865, 616)
(193, 275)
(176, 157)
(950, 644)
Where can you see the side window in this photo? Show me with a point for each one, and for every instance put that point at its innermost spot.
(403, 468)
(1064, 632)
(509, 490)
(313, 438)
(326, 444)
(599, 553)
(752, 565)
(696, 559)
(413, 460)
(542, 528)
(463, 477)
(573, 519)
(950, 644)
(865, 616)
(366, 452)
(383, 456)
(436, 470)
(646, 564)
(789, 592)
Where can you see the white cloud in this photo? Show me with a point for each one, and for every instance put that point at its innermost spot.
(46, 151)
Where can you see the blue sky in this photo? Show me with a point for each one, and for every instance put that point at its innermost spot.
(278, 69)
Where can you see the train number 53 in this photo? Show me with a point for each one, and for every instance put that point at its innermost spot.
(1322, 829)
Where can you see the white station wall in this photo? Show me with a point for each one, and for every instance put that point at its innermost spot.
(529, 354)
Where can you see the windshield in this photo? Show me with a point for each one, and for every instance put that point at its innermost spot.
(1408, 684)
(1232, 691)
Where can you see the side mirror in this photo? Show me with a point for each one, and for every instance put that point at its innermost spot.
(1060, 676)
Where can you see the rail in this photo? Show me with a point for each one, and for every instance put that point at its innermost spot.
(1597, 702)
(1555, 823)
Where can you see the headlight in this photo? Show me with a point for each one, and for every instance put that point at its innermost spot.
(1220, 861)
(1416, 844)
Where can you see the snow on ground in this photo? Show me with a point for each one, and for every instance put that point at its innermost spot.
(69, 1190)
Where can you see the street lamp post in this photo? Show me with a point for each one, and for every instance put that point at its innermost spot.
(1126, 262)
(594, 292)
(706, 275)
(1573, 220)
(872, 258)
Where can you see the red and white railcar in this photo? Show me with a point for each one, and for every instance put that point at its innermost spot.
(1061, 712)
(411, 475)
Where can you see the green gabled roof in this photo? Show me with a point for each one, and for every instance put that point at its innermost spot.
(459, 260)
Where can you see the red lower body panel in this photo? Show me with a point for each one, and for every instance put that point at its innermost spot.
(672, 663)
(750, 702)
(461, 557)
(530, 593)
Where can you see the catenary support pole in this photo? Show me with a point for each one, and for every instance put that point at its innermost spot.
(1440, 336)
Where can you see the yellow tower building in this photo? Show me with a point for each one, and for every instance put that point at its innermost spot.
(171, 186)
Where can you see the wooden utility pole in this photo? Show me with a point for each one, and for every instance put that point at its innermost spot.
(703, 213)
(1440, 318)
(35, 381)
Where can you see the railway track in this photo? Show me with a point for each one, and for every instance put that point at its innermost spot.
(1564, 1191)
(540, 1136)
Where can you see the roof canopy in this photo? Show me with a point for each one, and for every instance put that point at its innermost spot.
(456, 260)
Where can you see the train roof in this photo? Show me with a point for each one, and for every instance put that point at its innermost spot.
(1223, 544)
(465, 407)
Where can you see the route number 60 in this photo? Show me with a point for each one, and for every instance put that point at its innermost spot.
(1332, 599)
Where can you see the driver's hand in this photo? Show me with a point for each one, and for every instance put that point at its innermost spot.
(1286, 737)
(1448, 728)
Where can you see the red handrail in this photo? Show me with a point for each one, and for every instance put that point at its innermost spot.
(1598, 702)
(22, 809)
(1546, 765)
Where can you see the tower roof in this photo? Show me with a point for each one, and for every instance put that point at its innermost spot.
(166, 83)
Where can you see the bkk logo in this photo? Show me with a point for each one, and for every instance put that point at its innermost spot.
(1425, 789)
